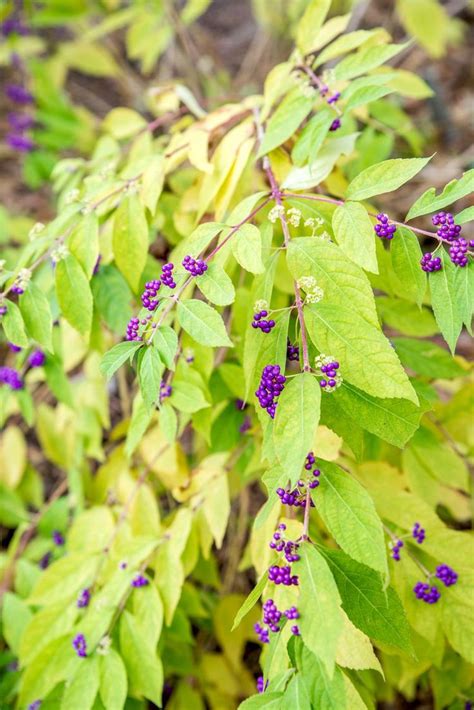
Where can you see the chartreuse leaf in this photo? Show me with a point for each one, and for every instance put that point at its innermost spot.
(466, 215)
(130, 239)
(365, 60)
(168, 565)
(443, 289)
(112, 297)
(296, 422)
(46, 625)
(457, 614)
(247, 248)
(83, 243)
(60, 660)
(15, 618)
(250, 601)
(34, 307)
(150, 370)
(144, 668)
(64, 578)
(376, 612)
(319, 605)
(342, 45)
(113, 681)
(355, 234)
(393, 420)
(74, 294)
(83, 686)
(384, 177)
(429, 201)
(216, 286)
(406, 254)
(349, 514)
(435, 458)
(14, 326)
(115, 358)
(284, 122)
(310, 24)
(427, 358)
(139, 421)
(269, 701)
(465, 293)
(406, 317)
(341, 280)
(296, 694)
(203, 323)
(312, 137)
(366, 357)
(355, 649)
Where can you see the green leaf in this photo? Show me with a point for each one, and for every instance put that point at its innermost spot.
(165, 341)
(346, 43)
(139, 421)
(144, 668)
(393, 420)
(342, 281)
(312, 137)
(384, 177)
(434, 457)
(365, 94)
(12, 508)
(34, 307)
(46, 625)
(203, 323)
(349, 513)
(74, 294)
(83, 686)
(319, 604)
(443, 289)
(187, 397)
(316, 172)
(465, 293)
(354, 233)
(115, 358)
(427, 358)
(270, 701)
(366, 357)
(454, 190)
(168, 422)
(326, 692)
(406, 317)
(150, 371)
(296, 422)
(13, 326)
(296, 695)
(365, 60)
(285, 121)
(83, 243)
(457, 614)
(247, 248)
(310, 24)
(170, 576)
(130, 239)
(152, 182)
(376, 612)
(465, 216)
(113, 681)
(216, 286)
(250, 601)
(406, 254)
(112, 298)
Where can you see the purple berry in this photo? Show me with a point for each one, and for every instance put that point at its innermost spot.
(447, 575)
(80, 646)
(37, 358)
(196, 267)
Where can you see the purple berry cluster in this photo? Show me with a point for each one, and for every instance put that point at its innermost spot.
(271, 620)
(196, 267)
(282, 575)
(132, 330)
(261, 684)
(447, 575)
(271, 385)
(165, 390)
(58, 538)
(335, 125)
(292, 352)
(418, 533)
(297, 497)
(396, 547)
(84, 598)
(260, 322)
(384, 228)
(329, 370)
(430, 263)
(334, 98)
(458, 252)
(14, 348)
(140, 581)
(148, 298)
(428, 594)
(3, 310)
(79, 645)
(10, 377)
(19, 122)
(447, 230)
(35, 705)
(37, 358)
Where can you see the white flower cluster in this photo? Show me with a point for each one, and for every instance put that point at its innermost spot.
(72, 196)
(260, 305)
(314, 293)
(61, 252)
(35, 231)
(23, 278)
(275, 213)
(294, 216)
